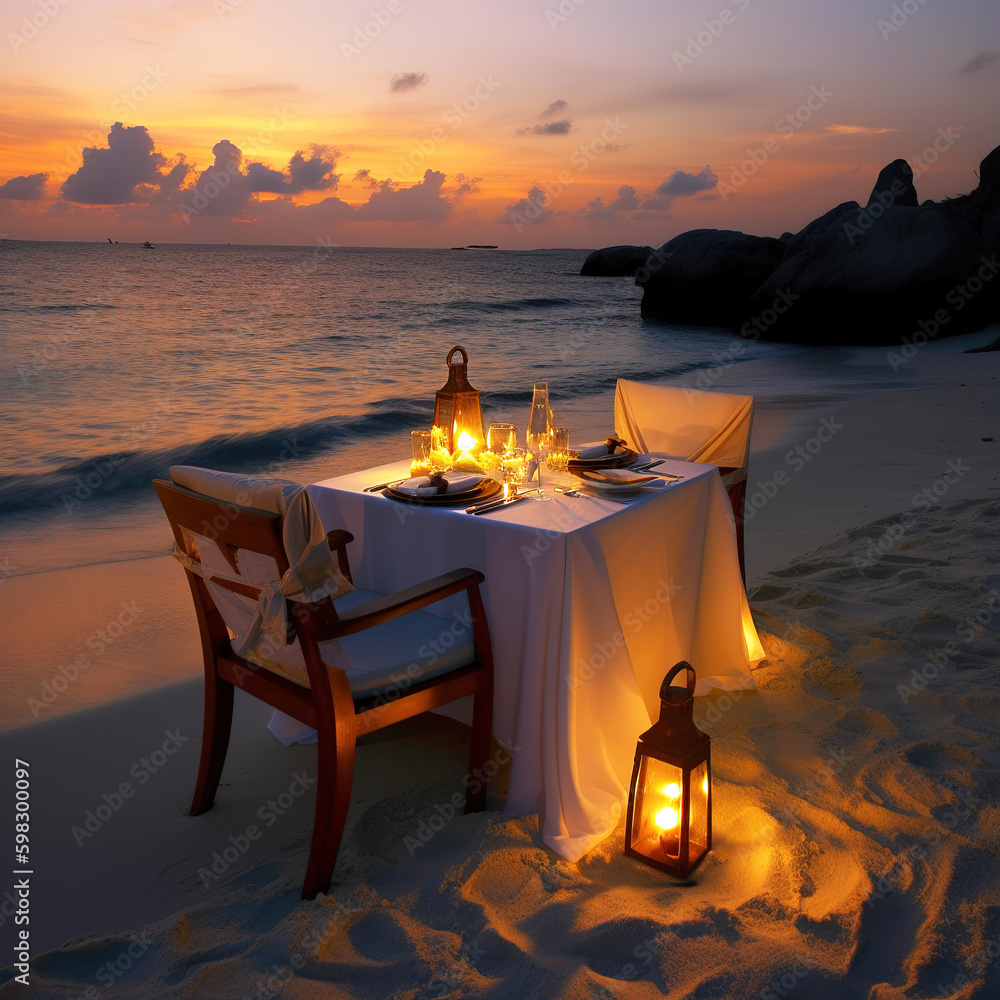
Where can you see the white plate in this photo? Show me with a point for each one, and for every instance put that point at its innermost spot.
(617, 489)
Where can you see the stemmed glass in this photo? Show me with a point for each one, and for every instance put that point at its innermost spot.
(540, 426)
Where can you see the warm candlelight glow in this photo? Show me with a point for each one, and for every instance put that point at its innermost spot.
(465, 442)
(673, 790)
(667, 817)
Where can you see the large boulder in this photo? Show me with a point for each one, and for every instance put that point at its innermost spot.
(989, 198)
(894, 186)
(613, 262)
(706, 276)
(874, 276)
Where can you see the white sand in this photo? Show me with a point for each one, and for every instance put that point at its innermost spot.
(857, 820)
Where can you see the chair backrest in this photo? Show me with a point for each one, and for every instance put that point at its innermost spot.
(687, 424)
(249, 545)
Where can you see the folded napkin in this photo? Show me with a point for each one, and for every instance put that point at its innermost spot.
(428, 486)
(624, 476)
(601, 449)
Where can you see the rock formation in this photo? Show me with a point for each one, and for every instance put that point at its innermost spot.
(612, 262)
(874, 275)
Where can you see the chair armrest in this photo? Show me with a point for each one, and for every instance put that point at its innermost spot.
(394, 605)
(337, 539)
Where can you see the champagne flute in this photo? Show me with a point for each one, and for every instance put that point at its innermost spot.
(540, 426)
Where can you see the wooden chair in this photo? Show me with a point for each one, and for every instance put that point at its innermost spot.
(304, 685)
(694, 426)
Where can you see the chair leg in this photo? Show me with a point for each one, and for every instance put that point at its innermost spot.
(336, 746)
(737, 498)
(214, 742)
(333, 796)
(479, 747)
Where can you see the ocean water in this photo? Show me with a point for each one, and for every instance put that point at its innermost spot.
(119, 361)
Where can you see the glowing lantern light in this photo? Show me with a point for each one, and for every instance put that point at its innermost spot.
(456, 407)
(669, 819)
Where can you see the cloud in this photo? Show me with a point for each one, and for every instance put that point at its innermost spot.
(403, 82)
(27, 188)
(532, 209)
(979, 62)
(422, 202)
(225, 189)
(365, 178)
(466, 185)
(680, 184)
(314, 174)
(111, 176)
(560, 127)
(553, 109)
(857, 130)
(626, 201)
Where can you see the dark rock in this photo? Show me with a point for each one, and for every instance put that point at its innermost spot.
(992, 346)
(892, 271)
(615, 261)
(803, 239)
(894, 186)
(989, 198)
(706, 276)
(874, 276)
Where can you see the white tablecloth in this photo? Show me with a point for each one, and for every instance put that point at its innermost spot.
(590, 603)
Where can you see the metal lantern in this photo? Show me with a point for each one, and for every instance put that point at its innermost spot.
(669, 820)
(456, 407)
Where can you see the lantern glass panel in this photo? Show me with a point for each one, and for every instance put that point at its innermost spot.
(699, 824)
(468, 418)
(656, 812)
(658, 820)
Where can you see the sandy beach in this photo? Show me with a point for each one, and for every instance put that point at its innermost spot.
(857, 790)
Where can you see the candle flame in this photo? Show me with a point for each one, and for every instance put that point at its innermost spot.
(666, 818)
(465, 442)
(672, 791)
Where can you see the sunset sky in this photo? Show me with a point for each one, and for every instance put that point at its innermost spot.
(526, 123)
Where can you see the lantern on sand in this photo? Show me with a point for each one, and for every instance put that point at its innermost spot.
(457, 410)
(669, 819)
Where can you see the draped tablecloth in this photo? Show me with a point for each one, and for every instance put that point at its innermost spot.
(589, 602)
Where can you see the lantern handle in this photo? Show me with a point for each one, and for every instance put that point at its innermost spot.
(674, 671)
(451, 353)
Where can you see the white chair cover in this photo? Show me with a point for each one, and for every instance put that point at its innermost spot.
(687, 424)
(312, 573)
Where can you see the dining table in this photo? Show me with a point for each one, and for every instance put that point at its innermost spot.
(590, 601)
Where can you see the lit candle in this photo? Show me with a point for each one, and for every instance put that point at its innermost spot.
(666, 819)
(465, 460)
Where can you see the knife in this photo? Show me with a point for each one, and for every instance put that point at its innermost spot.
(382, 486)
(485, 508)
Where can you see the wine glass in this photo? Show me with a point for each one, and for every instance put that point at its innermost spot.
(540, 426)
(501, 437)
(513, 466)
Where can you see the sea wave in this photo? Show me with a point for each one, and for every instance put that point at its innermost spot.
(125, 475)
(58, 307)
(508, 305)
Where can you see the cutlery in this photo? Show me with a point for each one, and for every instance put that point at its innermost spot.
(489, 505)
(650, 467)
(574, 492)
(383, 486)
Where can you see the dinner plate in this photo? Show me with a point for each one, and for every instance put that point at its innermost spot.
(483, 490)
(617, 461)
